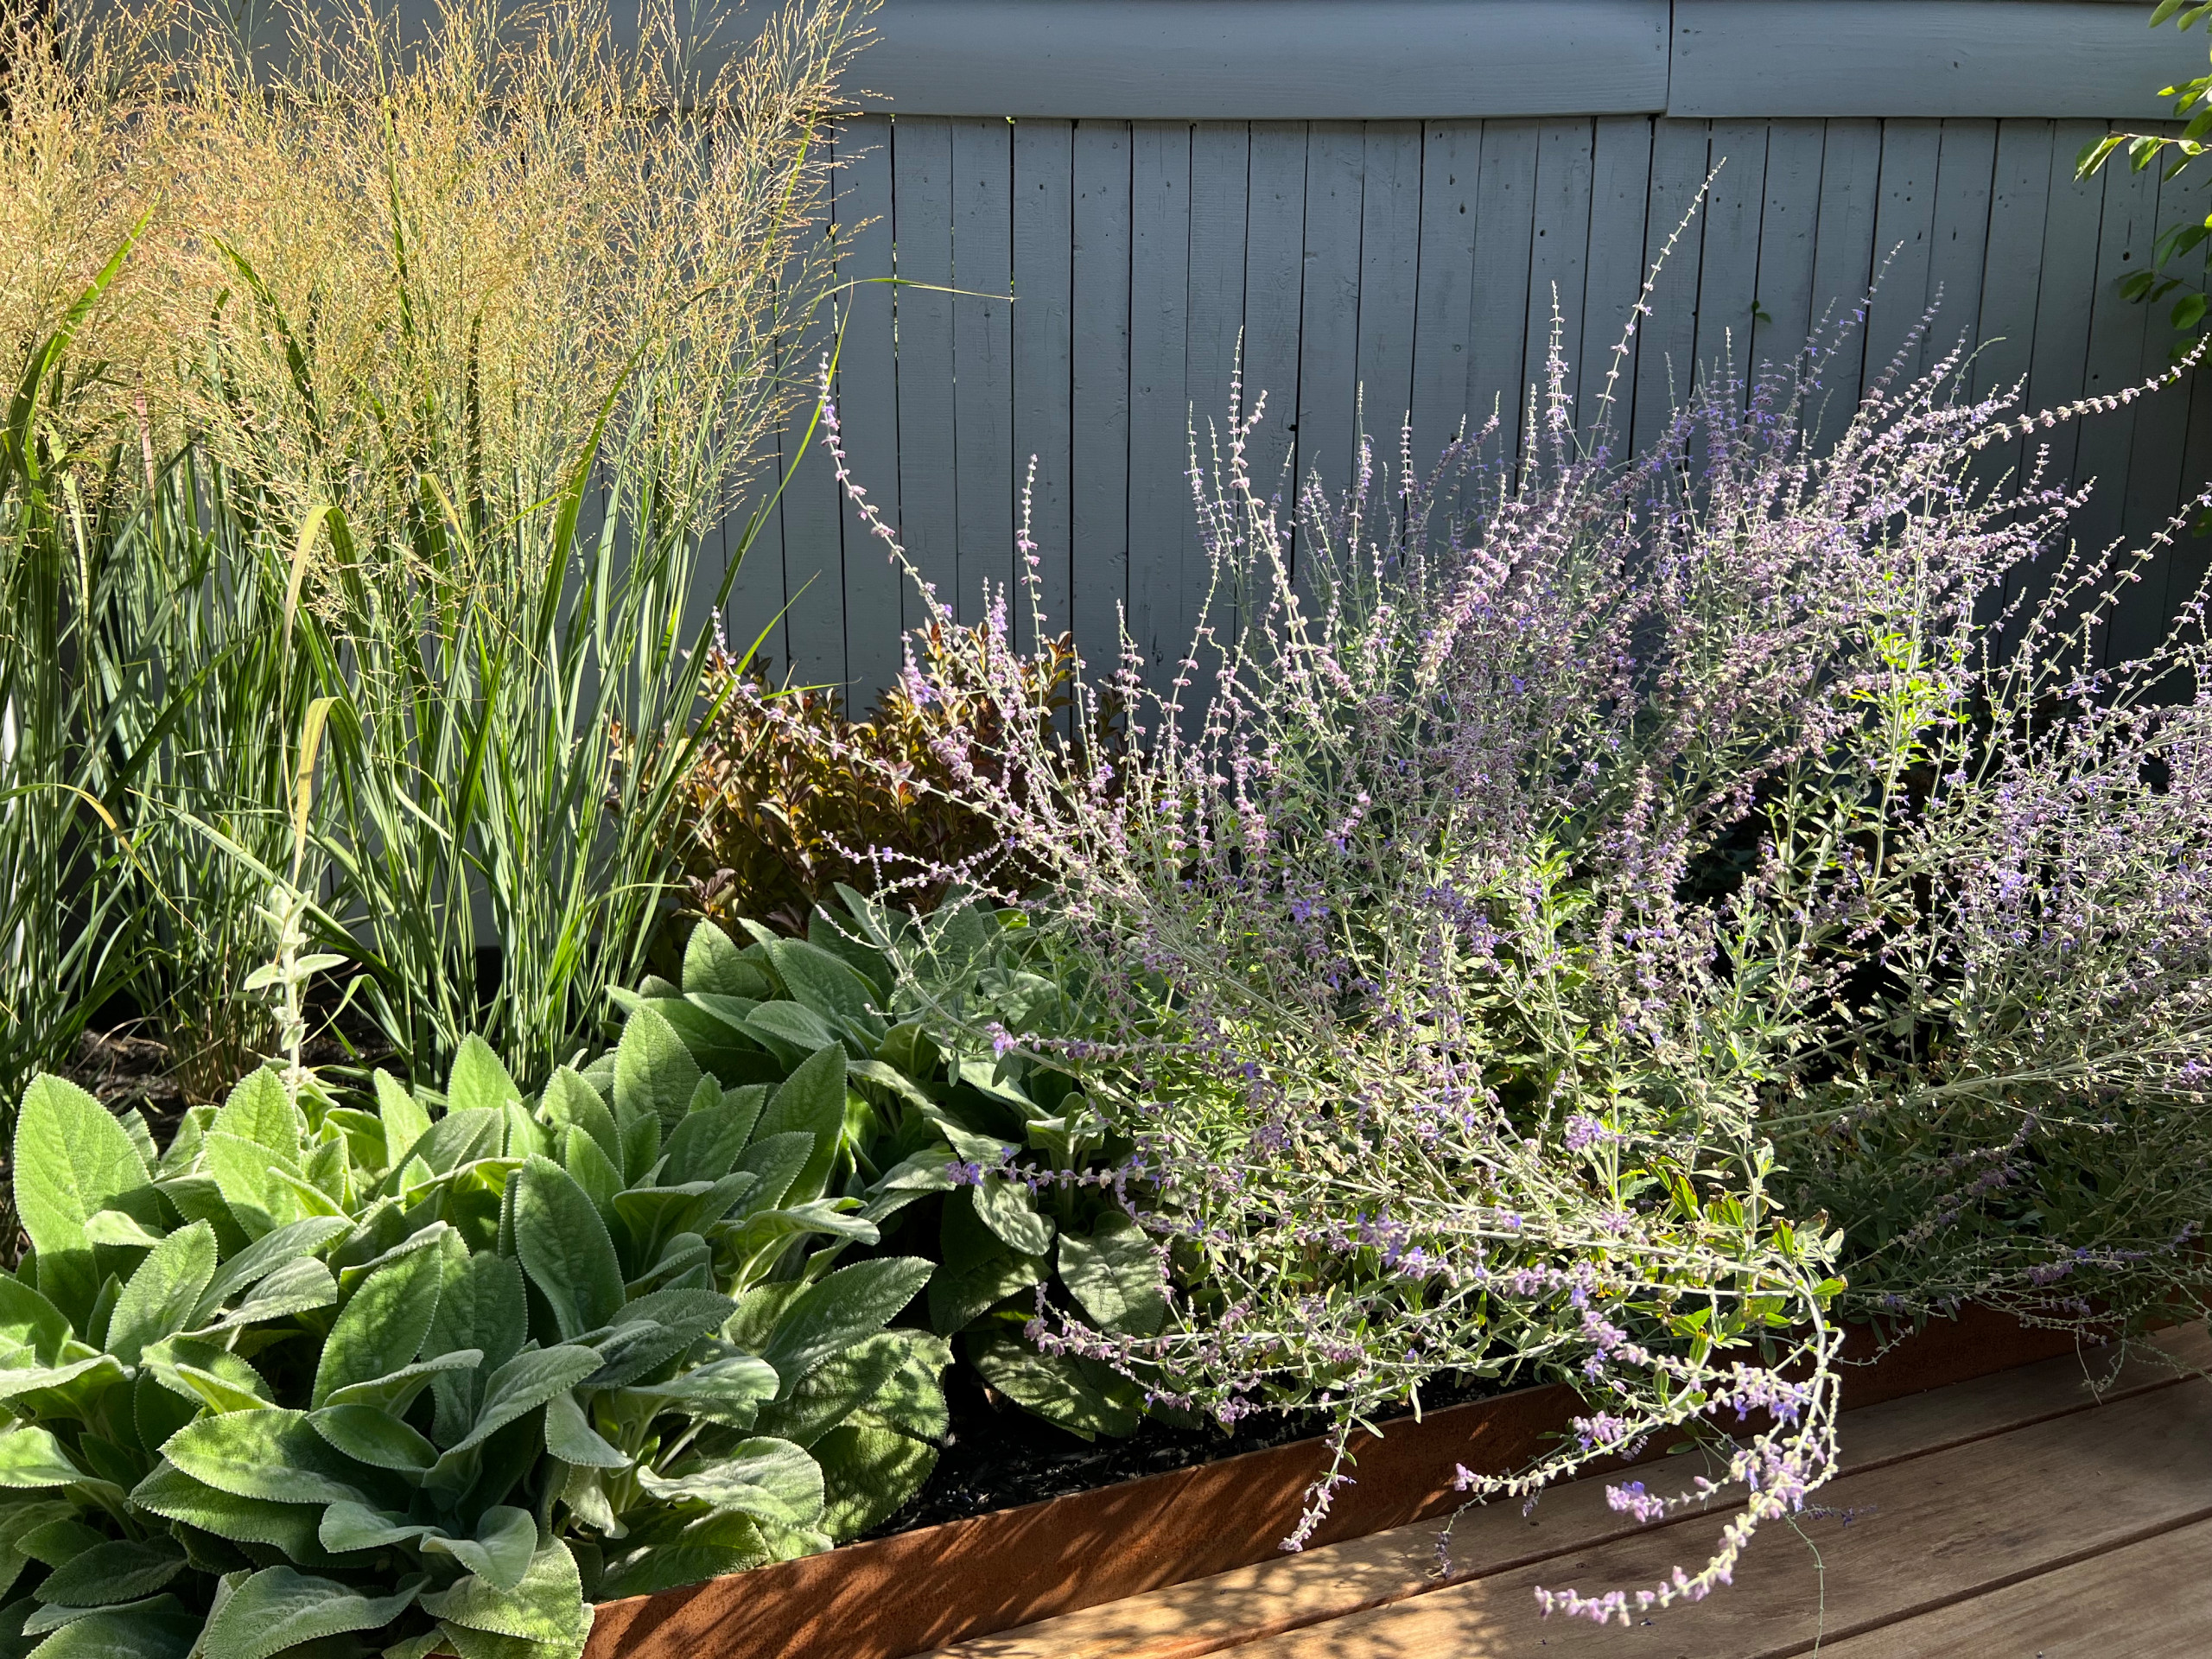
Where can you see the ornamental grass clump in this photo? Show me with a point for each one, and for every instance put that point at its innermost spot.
(1547, 881)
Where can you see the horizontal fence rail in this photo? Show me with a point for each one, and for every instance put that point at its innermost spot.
(1105, 271)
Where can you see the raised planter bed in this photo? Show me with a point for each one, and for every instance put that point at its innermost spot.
(893, 1597)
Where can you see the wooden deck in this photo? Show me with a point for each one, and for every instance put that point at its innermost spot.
(2026, 1515)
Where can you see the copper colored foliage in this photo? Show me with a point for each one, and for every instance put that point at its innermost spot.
(790, 796)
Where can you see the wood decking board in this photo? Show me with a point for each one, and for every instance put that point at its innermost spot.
(1913, 1460)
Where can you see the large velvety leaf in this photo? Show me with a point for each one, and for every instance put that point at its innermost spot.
(383, 1325)
(160, 1628)
(653, 1328)
(848, 1305)
(30, 1459)
(278, 1608)
(32, 1329)
(706, 1144)
(654, 1072)
(394, 1391)
(290, 1526)
(274, 1455)
(404, 1120)
(824, 983)
(565, 1248)
(868, 1472)
(713, 965)
(571, 1102)
(500, 1553)
(117, 1569)
(811, 1102)
(367, 1435)
(293, 1289)
(1082, 1396)
(162, 1292)
(770, 1479)
(1009, 1209)
(547, 1606)
(730, 1391)
(894, 1375)
(979, 1270)
(1115, 1274)
(478, 1081)
(523, 1384)
(254, 1142)
(482, 1309)
(207, 1374)
(266, 1255)
(72, 1160)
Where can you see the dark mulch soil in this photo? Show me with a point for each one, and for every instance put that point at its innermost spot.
(998, 1456)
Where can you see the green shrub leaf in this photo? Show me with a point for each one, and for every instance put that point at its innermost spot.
(713, 964)
(72, 1160)
(158, 1629)
(367, 1435)
(811, 1101)
(1115, 1274)
(117, 1569)
(566, 1250)
(500, 1553)
(654, 1072)
(163, 1291)
(770, 1479)
(978, 1270)
(848, 1305)
(478, 1081)
(547, 1606)
(1081, 1396)
(278, 1608)
(1009, 1208)
(30, 1458)
(273, 1454)
(383, 1326)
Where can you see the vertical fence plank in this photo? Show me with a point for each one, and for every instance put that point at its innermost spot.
(1389, 273)
(1728, 276)
(1904, 230)
(2059, 358)
(1159, 500)
(1667, 344)
(2190, 562)
(1099, 390)
(1274, 293)
(982, 358)
(814, 560)
(2117, 329)
(1221, 165)
(1328, 357)
(1965, 176)
(1443, 305)
(868, 401)
(1784, 320)
(2155, 461)
(1843, 257)
(2012, 276)
(921, 168)
(1498, 341)
(1044, 238)
(1620, 193)
(1559, 254)
(2012, 270)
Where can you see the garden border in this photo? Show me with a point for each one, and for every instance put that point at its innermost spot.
(891, 1597)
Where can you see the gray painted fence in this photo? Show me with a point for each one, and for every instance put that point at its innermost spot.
(1108, 266)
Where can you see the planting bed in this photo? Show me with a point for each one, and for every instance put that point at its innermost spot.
(905, 1593)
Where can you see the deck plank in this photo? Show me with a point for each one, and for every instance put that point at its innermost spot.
(2150, 1600)
(1909, 1536)
(1231, 1609)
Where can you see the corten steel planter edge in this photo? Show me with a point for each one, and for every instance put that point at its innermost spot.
(905, 1594)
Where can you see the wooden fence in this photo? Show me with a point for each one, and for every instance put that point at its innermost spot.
(1108, 264)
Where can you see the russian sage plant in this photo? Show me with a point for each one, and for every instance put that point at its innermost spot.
(1547, 878)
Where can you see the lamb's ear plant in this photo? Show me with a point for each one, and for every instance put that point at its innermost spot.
(990, 1161)
(434, 1369)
